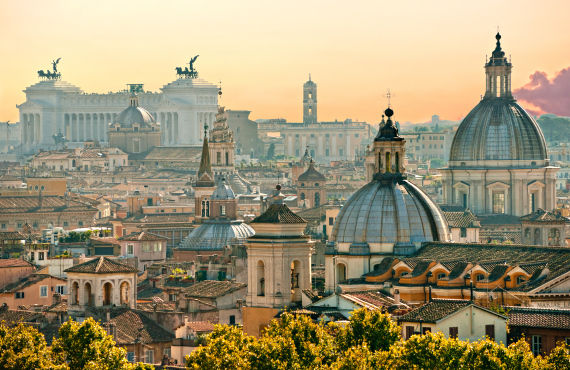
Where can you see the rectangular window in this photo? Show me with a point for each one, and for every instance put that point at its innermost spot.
(425, 330)
(172, 297)
(43, 291)
(331, 221)
(65, 223)
(340, 152)
(149, 356)
(498, 202)
(490, 331)
(453, 331)
(409, 331)
(41, 256)
(131, 356)
(166, 352)
(3, 226)
(232, 319)
(32, 256)
(463, 232)
(60, 289)
(130, 249)
(19, 295)
(536, 345)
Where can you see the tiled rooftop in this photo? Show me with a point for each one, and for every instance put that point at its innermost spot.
(101, 265)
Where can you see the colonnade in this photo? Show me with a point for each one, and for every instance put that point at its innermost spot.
(31, 128)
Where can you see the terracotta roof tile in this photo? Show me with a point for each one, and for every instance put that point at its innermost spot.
(14, 262)
(142, 236)
(131, 325)
(539, 317)
(101, 265)
(435, 310)
(212, 288)
(462, 219)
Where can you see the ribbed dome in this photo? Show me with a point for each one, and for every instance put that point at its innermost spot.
(223, 192)
(395, 212)
(133, 115)
(498, 129)
(216, 234)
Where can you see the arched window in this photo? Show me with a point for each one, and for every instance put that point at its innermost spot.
(379, 161)
(125, 292)
(302, 196)
(317, 199)
(87, 295)
(397, 162)
(107, 294)
(227, 159)
(554, 237)
(75, 293)
(527, 235)
(340, 273)
(520, 279)
(260, 278)
(537, 238)
(295, 283)
(388, 162)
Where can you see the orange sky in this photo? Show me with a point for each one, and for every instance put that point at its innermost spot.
(429, 53)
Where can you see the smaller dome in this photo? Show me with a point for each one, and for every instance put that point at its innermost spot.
(134, 114)
(223, 191)
(216, 234)
(312, 174)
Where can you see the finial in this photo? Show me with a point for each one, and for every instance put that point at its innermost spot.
(205, 130)
(388, 96)
(220, 89)
(389, 112)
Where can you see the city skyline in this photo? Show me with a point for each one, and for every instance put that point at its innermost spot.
(431, 57)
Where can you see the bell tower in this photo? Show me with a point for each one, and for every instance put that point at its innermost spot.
(386, 157)
(309, 102)
(278, 263)
(498, 73)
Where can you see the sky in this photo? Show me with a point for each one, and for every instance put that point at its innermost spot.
(430, 54)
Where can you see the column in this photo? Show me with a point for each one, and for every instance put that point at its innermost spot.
(176, 132)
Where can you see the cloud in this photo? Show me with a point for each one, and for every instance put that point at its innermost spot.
(547, 96)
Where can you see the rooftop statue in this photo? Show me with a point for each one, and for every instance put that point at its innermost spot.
(51, 75)
(188, 73)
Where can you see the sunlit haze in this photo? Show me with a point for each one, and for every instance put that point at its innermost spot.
(430, 54)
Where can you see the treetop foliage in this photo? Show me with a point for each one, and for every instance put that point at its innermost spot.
(370, 340)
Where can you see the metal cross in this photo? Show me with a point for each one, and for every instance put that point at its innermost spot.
(388, 96)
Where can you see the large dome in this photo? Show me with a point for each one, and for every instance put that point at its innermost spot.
(498, 129)
(389, 212)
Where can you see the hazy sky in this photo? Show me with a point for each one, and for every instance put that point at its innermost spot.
(429, 53)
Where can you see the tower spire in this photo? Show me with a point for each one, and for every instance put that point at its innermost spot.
(498, 72)
(205, 175)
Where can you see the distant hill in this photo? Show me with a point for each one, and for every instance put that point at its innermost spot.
(555, 129)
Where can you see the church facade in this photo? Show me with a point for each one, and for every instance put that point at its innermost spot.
(54, 106)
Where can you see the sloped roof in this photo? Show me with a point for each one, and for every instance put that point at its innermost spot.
(14, 262)
(558, 258)
(278, 214)
(101, 265)
(540, 215)
(539, 317)
(48, 203)
(142, 236)
(435, 310)
(27, 281)
(462, 219)
(312, 174)
(132, 325)
(212, 288)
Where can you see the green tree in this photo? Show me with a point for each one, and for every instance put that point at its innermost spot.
(87, 345)
(306, 344)
(374, 328)
(22, 348)
(227, 347)
(271, 151)
(559, 358)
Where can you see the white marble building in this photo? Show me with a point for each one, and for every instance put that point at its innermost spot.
(182, 107)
